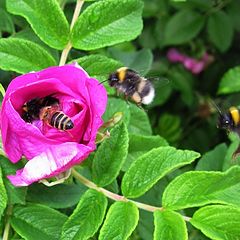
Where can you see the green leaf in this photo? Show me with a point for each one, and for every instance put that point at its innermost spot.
(6, 23)
(230, 82)
(139, 145)
(140, 61)
(86, 218)
(139, 121)
(213, 160)
(55, 197)
(35, 221)
(232, 156)
(117, 105)
(15, 195)
(168, 225)
(97, 65)
(218, 222)
(45, 17)
(106, 23)
(151, 167)
(216, 23)
(121, 220)
(23, 56)
(233, 12)
(3, 195)
(110, 156)
(183, 27)
(2, 90)
(193, 189)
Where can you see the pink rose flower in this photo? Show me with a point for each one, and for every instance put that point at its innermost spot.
(51, 151)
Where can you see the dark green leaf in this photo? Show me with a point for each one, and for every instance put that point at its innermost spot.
(59, 196)
(23, 56)
(138, 145)
(193, 189)
(218, 222)
(213, 160)
(37, 222)
(6, 23)
(45, 17)
(182, 27)
(216, 23)
(86, 218)
(106, 23)
(151, 167)
(233, 12)
(139, 122)
(230, 82)
(110, 156)
(168, 225)
(140, 61)
(15, 195)
(121, 220)
(3, 195)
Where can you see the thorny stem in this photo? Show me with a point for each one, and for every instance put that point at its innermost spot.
(7, 226)
(115, 196)
(68, 47)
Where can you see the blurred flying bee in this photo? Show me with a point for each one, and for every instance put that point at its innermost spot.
(229, 120)
(46, 109)
(133, 85)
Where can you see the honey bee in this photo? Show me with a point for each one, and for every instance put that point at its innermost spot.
(46, 109)
(133, 85)
(230, 120)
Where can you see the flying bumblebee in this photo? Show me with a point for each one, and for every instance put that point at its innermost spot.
(46, 109)
(133, 85)
(230, 120)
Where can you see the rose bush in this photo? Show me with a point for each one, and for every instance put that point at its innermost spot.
(50, 151)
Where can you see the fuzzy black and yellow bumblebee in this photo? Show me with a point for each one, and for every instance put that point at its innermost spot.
(132, 85)
(230, 120)
(46, 109)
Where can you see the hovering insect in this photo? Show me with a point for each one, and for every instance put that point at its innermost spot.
(230, 120)
(133, 85)
(46, 109)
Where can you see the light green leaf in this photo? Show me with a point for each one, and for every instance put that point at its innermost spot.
(139, 121)
(139, 144)
(2, 90)
(86, 218)
(216, 23)
(23, 56)
(110, 156)
(15, 195)
(168, 225)
(151, 167)
(121, 220)
(213, 160)
(182, 27)
(230, 82)
(35, 221)
(55, 197)
(193, 189)
(106, 23)
(45, 17)
(3, 195)
(218, 222)
(116, 105)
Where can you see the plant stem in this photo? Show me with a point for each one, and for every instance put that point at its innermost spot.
(7, 226)
(115, 196)
(68, 47)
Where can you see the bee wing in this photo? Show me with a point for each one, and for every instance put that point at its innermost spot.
(158, 82)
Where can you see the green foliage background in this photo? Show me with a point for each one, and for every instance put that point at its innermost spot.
(170, 157)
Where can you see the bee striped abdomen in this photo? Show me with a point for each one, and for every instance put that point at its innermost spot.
(61, 121)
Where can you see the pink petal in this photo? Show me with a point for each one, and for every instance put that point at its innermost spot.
(51, 162)
(174, 55)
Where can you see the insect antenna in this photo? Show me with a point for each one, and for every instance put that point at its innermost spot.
(102, 81)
